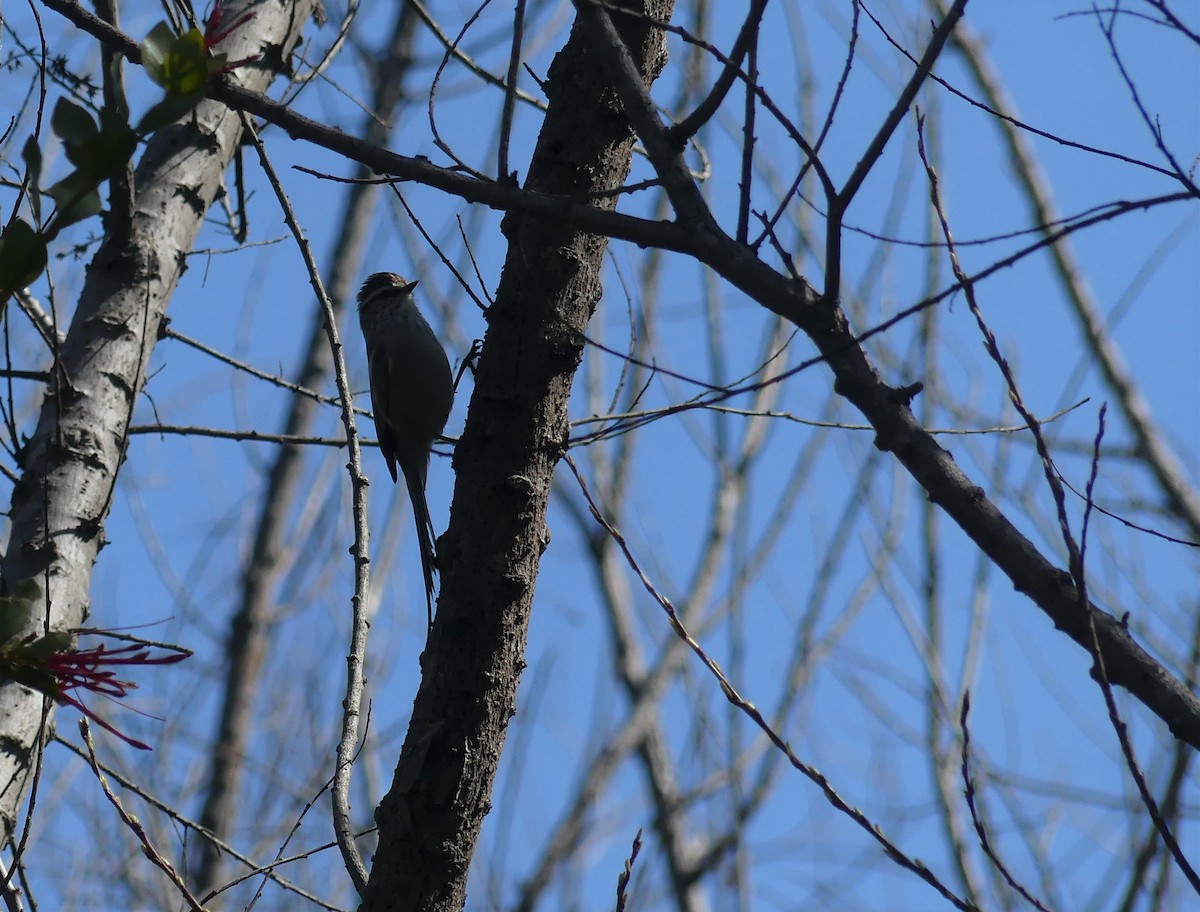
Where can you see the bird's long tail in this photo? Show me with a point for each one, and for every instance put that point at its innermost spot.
(425, 534)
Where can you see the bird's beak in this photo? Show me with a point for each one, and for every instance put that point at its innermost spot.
(407, 289)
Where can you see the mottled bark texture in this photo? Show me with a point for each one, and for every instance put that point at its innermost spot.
(70, 464)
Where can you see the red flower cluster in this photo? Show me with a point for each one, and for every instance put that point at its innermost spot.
(90, 669)
(51, 665)
(214, 34)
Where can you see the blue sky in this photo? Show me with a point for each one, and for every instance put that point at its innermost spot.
(186, 508)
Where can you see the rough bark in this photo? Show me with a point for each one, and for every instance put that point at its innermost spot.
(516, 429)
(70, 465)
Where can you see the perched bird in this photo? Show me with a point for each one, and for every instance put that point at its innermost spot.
(412, 390)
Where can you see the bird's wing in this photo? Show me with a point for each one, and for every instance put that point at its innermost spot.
(378, 361)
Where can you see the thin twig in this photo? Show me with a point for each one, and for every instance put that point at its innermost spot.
(873, 829)
(747, 36)
(1101, 676)
(627, 873)
(874, 151)
(360, 549)
(1075, 549)
(195, 827)
(167, 333)
(199, 430)
(980, 830)
(135, 825)
(510, 91)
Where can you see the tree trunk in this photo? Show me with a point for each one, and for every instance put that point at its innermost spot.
(71, 462)
(515, 434)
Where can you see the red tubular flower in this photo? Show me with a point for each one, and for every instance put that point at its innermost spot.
(213, 33)
(75, 669)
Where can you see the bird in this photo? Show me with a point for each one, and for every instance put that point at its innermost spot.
(412, 391)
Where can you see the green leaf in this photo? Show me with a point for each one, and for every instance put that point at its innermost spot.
(77, 198)
(166, 112)
(97, 151)
(15, 616)
(119, 101)
(115, 121)
(110, 150)
(52, 642)
(28, 590)
(33, 678)
(178, 63)
(72, 123)
(155, 47)
(185, 69)
(31, 153)
(16, 610)
(104, 150)
(22, 256)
